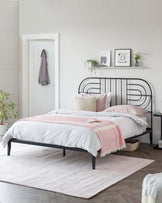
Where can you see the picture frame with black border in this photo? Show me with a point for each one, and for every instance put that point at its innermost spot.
(122, 57)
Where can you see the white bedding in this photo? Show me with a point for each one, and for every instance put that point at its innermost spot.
(74, 136)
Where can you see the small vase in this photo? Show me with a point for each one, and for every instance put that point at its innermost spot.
(137, 63)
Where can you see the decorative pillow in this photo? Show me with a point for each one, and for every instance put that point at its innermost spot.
(135, 110)
(102, 100)
(85, 103)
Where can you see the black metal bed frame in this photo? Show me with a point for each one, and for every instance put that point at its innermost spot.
(133, 91)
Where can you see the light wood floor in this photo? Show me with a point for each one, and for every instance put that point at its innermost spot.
(126, 191)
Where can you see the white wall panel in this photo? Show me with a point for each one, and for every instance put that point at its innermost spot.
(9, 16)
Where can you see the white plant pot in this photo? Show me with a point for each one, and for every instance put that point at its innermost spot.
(3, 129)
(89, 64)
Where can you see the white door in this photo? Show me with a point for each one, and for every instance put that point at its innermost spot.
(41, 98)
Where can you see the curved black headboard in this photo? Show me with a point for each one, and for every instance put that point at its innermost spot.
(134, 91)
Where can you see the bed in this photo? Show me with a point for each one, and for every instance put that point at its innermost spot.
(134, 91)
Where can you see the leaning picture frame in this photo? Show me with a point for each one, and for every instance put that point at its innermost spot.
(105, 58)
(122, 57)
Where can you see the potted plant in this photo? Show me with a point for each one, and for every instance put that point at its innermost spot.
(7, 111)
(137, 58)
(92, 63)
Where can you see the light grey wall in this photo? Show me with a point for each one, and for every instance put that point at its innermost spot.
(9, 47)
(87, 26)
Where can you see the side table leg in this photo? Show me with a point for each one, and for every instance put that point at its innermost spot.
(161, 127)
(151, 141)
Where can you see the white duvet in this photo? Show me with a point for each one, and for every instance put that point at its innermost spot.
(74, 136)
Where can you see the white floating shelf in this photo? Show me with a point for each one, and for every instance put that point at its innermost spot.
(130, 68)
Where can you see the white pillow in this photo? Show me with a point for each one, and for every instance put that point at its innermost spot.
(108, 100)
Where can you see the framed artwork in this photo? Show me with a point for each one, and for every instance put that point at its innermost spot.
(122, 58)
(104, 58)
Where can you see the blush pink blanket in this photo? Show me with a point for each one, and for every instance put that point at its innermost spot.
(108, 132)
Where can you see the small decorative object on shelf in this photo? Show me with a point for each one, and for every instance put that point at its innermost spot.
(137, 58)
(7, 111)
(122, 58)
(104, 58)
(92, 63)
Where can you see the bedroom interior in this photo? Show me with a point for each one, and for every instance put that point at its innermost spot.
(80, 96)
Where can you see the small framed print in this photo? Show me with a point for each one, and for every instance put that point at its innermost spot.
(104, 58)
(122, 58)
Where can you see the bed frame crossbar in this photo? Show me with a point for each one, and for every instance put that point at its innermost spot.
(48, 145)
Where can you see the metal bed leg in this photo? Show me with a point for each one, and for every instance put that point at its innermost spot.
(93, 162)
(9, 148)
(151, 141)
(64, 152)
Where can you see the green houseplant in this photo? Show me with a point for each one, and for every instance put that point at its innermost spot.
(92, 63)
(137, 58)
(7, 111)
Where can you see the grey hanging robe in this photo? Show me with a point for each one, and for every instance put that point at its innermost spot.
(43, 78)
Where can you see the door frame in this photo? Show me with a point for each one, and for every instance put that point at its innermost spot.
(25, 69)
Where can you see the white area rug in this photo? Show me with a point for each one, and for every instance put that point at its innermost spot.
(47, 169)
